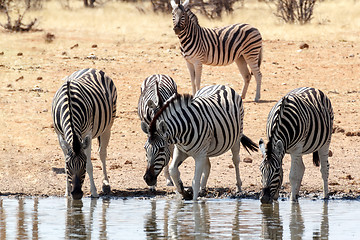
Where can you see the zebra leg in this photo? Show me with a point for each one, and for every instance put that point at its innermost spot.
(65, 148)
(178, 158)
(205, 175)
(200, 165)
(103, 143)
(255, 69)
(244, 71)
(324, 168)
(235, 150)
(192, 76)
(89, 170)
(296, 174)
(169, 182)
(198, 72)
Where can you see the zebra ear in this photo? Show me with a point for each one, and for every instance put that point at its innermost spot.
(144, 127)
(279, 148)
(174, 4)
(262, 147)
(186, 3)
(86, 142)
(150, 103)
(161, 127)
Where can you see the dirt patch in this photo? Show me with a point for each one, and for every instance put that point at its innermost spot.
(31, 70)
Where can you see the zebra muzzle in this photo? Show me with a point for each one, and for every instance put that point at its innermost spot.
(265, 196)
(177, 30)
(150, 176)
(76, 192)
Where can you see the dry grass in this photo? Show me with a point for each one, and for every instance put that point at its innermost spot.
(333, 20)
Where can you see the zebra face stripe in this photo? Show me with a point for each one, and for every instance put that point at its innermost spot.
(76, 169)
(180, 19)
(272, 177)
(157, 155)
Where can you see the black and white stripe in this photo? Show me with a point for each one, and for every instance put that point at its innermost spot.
(240, 43)
(155, 91)
(84, 108)
(203, 126)
(300, 123)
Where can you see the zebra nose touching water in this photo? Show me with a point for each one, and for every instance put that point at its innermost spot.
(82, 109)
(203, 126)
(300, 123)
(155, 90)
(239, 43)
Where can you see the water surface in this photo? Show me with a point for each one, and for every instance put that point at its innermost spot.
(104, 218)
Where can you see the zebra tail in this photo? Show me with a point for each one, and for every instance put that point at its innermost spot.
(316, 159)
(248, 144)
(260, 57)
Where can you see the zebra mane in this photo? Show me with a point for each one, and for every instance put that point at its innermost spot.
(175, 97)
(76, 145)
(192, 17)
(269, 148)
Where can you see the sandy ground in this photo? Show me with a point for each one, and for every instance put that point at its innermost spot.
(31, 71)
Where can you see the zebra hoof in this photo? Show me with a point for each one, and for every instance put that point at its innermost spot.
(106, 189)
(188, 194)
(169, 183)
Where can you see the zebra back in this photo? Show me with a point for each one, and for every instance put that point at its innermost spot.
(156, 88)
(85, 102)
(303, 115)
(218, 46)
(212, 118)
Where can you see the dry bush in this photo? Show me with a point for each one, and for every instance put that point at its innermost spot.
(292, 11)
(16, 25)
(209, 8)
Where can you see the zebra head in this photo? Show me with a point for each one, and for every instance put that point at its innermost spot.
(76, 165)
(179, 15)
(157, 150)
(271, 170)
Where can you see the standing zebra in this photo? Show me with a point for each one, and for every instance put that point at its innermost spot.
(84, 108)
(239, 43)
(203, 126)
(300, 123)
(155, 90)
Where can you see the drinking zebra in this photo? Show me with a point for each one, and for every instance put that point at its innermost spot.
(155, 90)
(300, 123)
(84, 108)
(203, 126)
(239, 43)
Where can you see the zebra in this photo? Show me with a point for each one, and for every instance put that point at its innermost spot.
(203, 126)
(299, 123)
(84, 108)
(239, 43)
(155, 90)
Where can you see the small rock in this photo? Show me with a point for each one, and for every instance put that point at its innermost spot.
(330, 153)
(128, 162)
(92, 56)
(94, 46)
(231, 166)
(1, 53)
(39, 78)
(247, 160)
(349, 177)
(76, 45)
(304, 46)
(49, 37)
(20, 54)
(20, 78)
